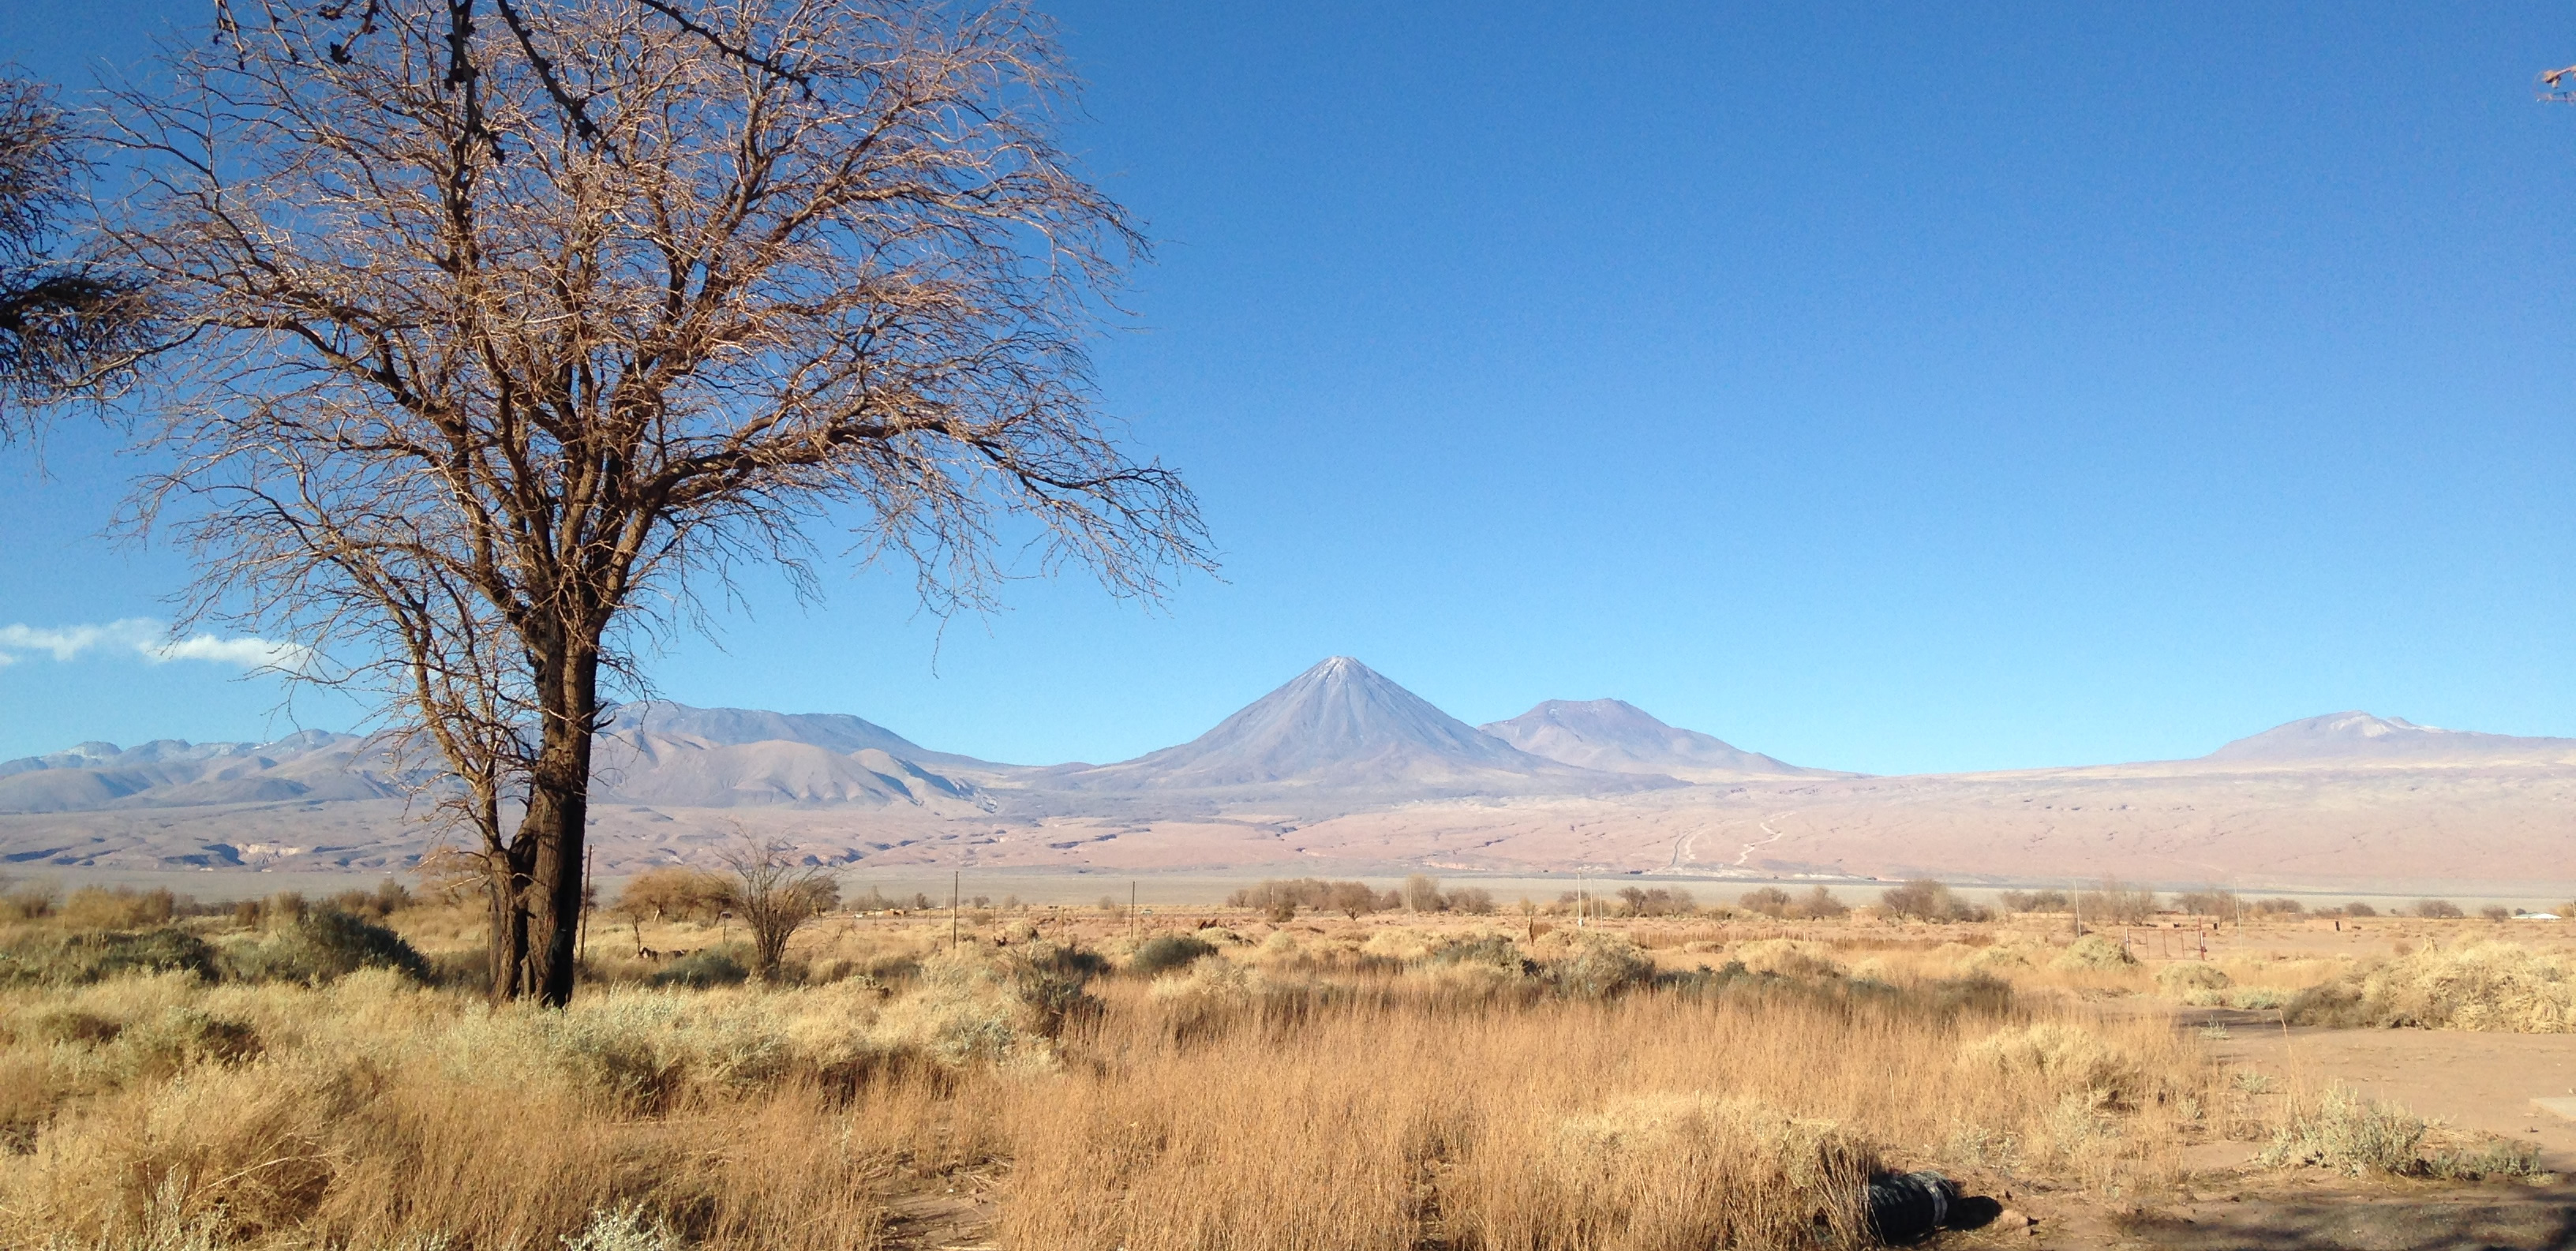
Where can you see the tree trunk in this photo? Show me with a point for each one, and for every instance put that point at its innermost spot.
(551, 832)
(505, 887)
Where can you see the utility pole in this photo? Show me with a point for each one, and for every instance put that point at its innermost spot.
(956, 883)
(589, 861)
(1131, 905)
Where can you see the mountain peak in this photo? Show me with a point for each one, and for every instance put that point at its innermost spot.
(1619, 737)
(2362, 736)
(1343, 726)
(737, 727)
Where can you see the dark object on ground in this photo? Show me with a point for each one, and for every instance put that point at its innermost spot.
(1909, 1207)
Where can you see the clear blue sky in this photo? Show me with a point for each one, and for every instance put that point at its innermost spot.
(1896, 389)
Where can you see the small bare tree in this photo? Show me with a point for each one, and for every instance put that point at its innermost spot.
(774, 894)
(498, 346)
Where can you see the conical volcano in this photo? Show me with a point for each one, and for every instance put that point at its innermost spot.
(1342, 726)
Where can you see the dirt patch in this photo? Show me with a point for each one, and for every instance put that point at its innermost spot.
(2471, 1080)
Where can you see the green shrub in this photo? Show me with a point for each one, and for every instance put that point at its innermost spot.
(323, 946)
(2485, 1156)
(2355, 1136)
(1494, 949)
(2095, 952)
(1600, 966)
(78, 959)
(1164, 952)
(625, 1228)
(713, 966)
(2186, 976)
(182, 1038)
(469, 970)
(1052, 977)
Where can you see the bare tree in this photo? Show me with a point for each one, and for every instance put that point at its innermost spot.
(500, 348)
(2115, 902)
(1422, 893)
(1352, 899)
(774, 895)
(67, 324)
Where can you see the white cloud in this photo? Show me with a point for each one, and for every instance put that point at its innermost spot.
(250, 653)
(149, 640)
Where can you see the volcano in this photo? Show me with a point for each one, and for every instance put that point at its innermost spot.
(1343, 727)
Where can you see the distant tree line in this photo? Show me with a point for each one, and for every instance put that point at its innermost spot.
(1281, 898)
(2110, 901)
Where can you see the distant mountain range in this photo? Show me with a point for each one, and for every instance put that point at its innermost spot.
(1340, 748)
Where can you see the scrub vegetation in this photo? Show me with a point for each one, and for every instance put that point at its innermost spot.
(301, 1073)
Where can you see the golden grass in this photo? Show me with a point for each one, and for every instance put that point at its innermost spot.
(1392, 1083)
(1646, 1121)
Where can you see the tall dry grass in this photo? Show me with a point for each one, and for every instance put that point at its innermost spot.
(372, 1111)
(1386, 1086)
(1648, 1121)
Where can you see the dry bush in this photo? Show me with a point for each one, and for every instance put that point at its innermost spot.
(123, 907)
(2093, 951)
(2491, 986)
(2342, 1131)
(2183, 977)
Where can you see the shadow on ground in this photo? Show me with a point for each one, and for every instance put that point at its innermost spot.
(2537, 1223)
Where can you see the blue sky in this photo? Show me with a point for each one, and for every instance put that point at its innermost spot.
(1886, 388)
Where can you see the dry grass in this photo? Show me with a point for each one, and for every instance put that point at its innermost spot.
(1392, 1083)
(1656, 1120)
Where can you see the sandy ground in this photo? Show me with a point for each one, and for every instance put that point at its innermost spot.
(2473, 1081)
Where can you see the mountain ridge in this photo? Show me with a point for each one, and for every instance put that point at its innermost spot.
(1616, 736)
(2354, 736)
